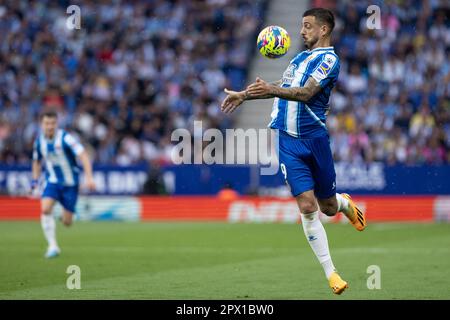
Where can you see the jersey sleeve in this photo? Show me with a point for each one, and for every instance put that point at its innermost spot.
(37, 156)
(74, 145)
(327, 70)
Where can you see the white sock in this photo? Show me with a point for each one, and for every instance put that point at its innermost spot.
(49, 228)
(342, 203)
(317, 238)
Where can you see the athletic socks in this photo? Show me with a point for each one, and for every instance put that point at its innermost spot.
(49, 228)
(343, 206)
(317, 238)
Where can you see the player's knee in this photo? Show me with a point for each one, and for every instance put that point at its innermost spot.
(66, 220)
(47, 206)
(307, 206)
(329, 209)
(328, 206)
(46, 211)
(306, 202)
(67, 223)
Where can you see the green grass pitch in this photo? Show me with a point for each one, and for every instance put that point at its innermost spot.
(146, 260)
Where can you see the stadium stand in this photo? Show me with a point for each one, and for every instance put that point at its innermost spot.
(124, 81)
(133, 73)
(392, 100)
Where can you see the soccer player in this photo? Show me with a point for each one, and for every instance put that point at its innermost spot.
(59, 150)
(299, 113)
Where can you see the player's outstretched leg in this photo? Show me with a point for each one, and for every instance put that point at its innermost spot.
(317, 238)
(49, 227)
(348, 207)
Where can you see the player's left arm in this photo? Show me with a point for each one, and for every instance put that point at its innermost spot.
(303, 94)
(87, 168)
(325, 72)
(78, 149)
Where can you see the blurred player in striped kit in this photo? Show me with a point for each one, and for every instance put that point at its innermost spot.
(59, 151)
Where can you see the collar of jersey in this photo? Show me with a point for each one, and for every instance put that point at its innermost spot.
(321, 48)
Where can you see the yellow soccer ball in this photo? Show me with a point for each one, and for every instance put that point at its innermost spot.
(273, 42)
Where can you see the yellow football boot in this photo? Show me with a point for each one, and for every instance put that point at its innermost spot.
(359, 221)
(337, 284)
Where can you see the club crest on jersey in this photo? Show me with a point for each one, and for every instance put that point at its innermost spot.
(288, 75)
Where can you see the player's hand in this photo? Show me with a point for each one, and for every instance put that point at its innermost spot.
(259, 88)
(90, 184)
(233, 100)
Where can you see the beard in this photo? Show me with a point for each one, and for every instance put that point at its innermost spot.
(311, 42)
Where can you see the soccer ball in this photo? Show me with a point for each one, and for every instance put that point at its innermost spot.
(273, 42)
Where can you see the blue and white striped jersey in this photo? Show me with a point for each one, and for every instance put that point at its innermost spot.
(59, 156)
(307, 120)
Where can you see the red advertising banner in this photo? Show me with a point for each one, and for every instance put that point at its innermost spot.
(263, 209)
(241, 209)
(19, 208)
(184, 208)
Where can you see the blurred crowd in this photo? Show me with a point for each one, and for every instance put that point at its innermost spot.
(133, 72)
(392, 101)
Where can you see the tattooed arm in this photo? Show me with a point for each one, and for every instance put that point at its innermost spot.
(303, 94)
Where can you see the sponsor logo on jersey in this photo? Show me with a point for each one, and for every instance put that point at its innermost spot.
(324, 68)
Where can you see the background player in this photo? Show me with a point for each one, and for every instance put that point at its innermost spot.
(59, 150)
(299, 113)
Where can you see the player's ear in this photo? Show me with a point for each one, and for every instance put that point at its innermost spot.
(324, 30)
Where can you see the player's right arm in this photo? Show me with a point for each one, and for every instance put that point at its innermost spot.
(235, 98)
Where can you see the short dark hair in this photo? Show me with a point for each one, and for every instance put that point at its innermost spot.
(322, 15)
(49, 114)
